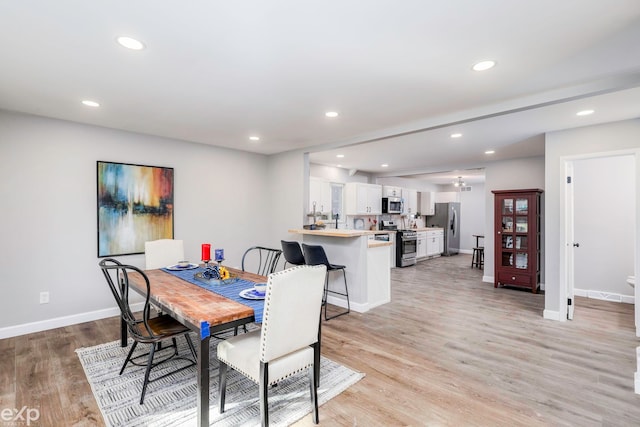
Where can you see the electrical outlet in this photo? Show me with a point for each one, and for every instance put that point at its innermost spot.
(44, 297)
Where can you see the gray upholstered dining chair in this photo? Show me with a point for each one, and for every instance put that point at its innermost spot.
(143, 328)
(287, 343)
(162, 253)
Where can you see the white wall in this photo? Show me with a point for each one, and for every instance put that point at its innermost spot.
(472, 217)
(48, 193)
(288, 183)
(624, 135)
(509, 175)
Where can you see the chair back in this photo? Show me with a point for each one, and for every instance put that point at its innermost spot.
(117, 276)
(163, 252)
(315, 255)
(292, 253)
(260, 260)
(291, 311)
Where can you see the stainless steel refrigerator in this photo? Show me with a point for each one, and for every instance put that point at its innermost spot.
(447, 216)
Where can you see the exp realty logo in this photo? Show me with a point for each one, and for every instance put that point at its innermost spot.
(22, 416)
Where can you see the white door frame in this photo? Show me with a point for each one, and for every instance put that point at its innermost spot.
(566, 229)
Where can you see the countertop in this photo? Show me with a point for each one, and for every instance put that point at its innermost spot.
(332, 232)
(428, 229)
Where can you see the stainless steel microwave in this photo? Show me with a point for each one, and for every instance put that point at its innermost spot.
(391, 205)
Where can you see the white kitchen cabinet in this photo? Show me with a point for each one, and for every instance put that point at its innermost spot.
(421, 250)
(410, 198)
(440, 240)
(363, 199)
(427, 203)
(391, 191)
(320, 194)
(434, 243)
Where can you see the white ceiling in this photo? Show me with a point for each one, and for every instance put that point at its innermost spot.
(399, 73)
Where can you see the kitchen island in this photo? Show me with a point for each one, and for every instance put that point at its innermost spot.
(367, 261)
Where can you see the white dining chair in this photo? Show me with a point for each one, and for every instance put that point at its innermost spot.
(287, 343)
(162, 253)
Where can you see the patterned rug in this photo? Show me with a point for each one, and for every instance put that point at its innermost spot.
(172, 400)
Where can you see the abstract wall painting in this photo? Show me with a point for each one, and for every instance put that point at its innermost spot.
(135, 205)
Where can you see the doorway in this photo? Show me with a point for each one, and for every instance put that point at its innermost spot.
(601, 220)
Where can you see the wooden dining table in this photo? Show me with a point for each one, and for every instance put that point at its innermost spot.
(203, 311)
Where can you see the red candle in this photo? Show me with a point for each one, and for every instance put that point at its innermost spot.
(206, 252)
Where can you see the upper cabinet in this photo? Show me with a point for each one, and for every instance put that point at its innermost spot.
(320, 194)
(390, 191)
(363, 199)
(410, 198)
(427, 203)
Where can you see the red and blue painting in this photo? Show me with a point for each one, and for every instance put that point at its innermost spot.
(135, 205)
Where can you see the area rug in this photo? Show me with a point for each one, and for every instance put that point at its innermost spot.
(172, 400)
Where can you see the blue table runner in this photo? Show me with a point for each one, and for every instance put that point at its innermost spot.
(230, 290)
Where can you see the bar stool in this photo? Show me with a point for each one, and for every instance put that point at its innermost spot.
(315, 255)
(477, 259)
(292, 253)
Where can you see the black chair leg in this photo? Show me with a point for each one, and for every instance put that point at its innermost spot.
(314, 395)
(346, 294)
(147, 372)
(222, 386)
(264, 393)
(133, 347)
(191, 347)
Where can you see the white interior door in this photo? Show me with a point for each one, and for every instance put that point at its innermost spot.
(570, 239)
(602, 233)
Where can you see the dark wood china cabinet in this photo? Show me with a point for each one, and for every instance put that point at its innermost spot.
(517, 238)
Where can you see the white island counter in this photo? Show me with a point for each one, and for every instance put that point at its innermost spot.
(367, 262)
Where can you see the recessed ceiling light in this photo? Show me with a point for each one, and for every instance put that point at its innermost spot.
(339, 166)
(584, 112)
(384, 165)
(339, 156)
(130, 43)
(456, 135)
(484, 65)
(89, 103)
(489, 152)
(254, 138)
(331, 114)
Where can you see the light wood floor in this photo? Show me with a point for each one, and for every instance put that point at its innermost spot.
(449, 350)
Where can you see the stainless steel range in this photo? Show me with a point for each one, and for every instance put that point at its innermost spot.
(406, 248)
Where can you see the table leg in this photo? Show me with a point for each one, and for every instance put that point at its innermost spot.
(203, 382)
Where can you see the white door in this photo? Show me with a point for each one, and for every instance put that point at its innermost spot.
(570, 239)
(602, 235)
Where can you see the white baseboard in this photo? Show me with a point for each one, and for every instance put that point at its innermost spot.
(466, 251)
(357, 307)
(606, 296)
(553, 315)
(59, 322)
(488, 279)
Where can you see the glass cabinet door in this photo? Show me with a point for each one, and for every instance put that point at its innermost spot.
(515, 228)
